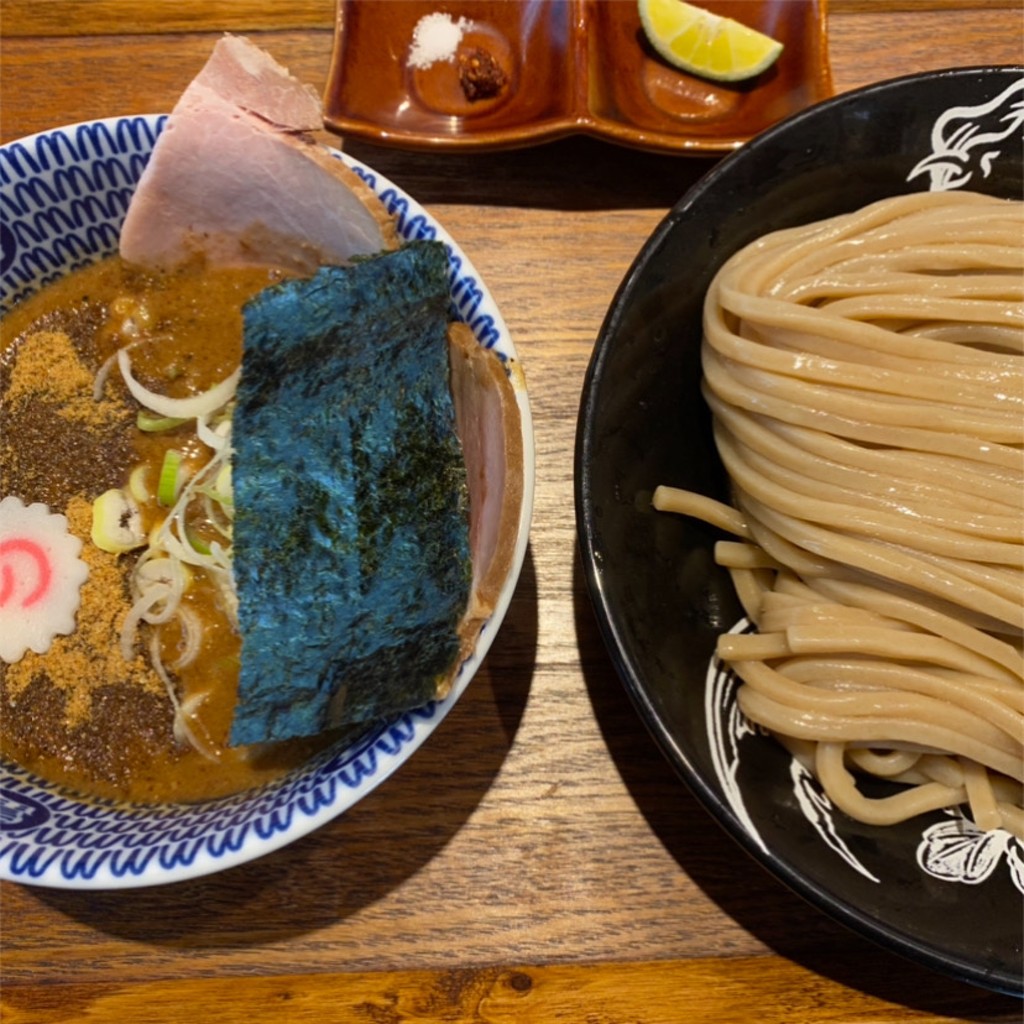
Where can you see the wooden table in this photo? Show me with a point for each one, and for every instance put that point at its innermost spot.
(537, 860)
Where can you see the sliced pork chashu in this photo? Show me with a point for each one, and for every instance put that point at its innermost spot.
(487, 420)
(237, 176)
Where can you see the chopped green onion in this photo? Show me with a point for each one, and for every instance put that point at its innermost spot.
(116, 522)
(197, 542)
(137, 486)
(171, 478)
(220, 491)
(151, 422)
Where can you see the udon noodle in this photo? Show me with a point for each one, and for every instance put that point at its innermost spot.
(865, 379)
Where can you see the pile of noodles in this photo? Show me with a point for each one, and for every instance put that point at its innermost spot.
(866, 380)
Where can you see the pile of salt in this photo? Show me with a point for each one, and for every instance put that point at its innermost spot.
(436, 37)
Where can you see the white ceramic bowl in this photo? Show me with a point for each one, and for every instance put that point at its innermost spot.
(63, 194)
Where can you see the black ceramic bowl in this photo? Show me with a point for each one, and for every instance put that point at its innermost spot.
(922, 888)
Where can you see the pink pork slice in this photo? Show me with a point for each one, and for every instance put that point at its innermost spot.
(237, 176)
(487, 420)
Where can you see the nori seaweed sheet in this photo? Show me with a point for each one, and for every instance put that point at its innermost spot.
(351, 535)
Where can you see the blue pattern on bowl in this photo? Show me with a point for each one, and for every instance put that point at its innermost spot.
(63, 197)
(47, 831)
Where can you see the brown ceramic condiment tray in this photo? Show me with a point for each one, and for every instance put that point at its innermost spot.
(570, 66)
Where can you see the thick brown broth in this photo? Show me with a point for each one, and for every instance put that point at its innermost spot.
(80, 714)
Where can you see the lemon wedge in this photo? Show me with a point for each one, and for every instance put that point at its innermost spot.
(704, 43)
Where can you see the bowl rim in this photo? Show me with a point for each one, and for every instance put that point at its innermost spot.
(391, 743)
(613, 633)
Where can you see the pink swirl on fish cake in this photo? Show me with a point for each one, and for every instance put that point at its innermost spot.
(41, 577)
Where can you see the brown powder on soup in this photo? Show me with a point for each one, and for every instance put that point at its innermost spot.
(80, 714)
(90, 657)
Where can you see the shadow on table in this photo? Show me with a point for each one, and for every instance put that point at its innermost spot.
(359, 858)
(570, 174)
(741, 887)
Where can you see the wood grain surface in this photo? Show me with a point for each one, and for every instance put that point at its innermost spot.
(537, 860)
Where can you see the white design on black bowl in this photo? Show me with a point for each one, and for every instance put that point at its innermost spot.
(966, 141)
(727, 729)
